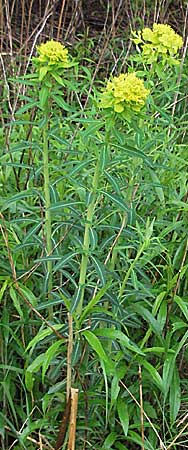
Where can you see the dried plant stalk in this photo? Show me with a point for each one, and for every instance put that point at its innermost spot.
(73, 414)
(63, 428)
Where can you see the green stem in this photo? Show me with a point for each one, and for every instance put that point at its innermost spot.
(48, 225)
(86, 243)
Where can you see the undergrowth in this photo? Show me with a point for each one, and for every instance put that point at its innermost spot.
(94, 256)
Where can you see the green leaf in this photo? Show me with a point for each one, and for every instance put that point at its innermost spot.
(79, 166)
(10, 367)
(175, 396)
(29, 381)
(182, 305)
(88, 308)
(110, 333)
(61, 103)
(120, 446)
(76, 299)
(181, 249)
(66, 301)
(134, 152)
(16, 301)
(114, 389)
(36, 364)
(158, 302)
(105, 372)
(168, 370)
(167, 230)
(143, 312)
(109, 441)
(157, 186)
(180, 344)
(162, 314)
(28, 294)
(154, 374)
(6, 388)
(2, 427)
(26, 107)
(179, 325)
(92, 127)
(49, 355)
(23, 166)
(162, 111)
(31, 233)
(58, 78)
(64, 260)
(42, 72)
(100, 269)
(112, 180)
(93, 239)
(157, 350)
(63, 205)
(97, 346)
(123, 414)
(150, 410)
(135, 437)
(117, 200)
(22, 195)
(43, 96)
(42, 334)
(3, 288)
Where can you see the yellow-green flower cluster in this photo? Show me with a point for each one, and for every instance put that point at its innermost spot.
(52, 52)
(161, 41)
(124, 91)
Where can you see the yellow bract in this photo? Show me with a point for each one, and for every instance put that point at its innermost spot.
(123, 91)
(162, 41)
(52, 52)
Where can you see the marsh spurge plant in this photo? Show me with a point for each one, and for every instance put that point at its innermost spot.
(120, 102)
(49, 66)
(124, 95)
(122, 99)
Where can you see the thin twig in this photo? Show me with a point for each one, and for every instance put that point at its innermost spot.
(60, 19)
(177, 436)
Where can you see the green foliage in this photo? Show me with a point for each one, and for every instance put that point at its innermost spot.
(118, 264)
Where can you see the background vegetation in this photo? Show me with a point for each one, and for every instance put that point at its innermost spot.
(126, 350)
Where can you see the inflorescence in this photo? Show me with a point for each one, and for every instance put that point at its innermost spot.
(52, 52)
(161, 42)
(124, 91)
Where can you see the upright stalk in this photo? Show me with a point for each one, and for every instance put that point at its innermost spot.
(86, 243)
(48, 222)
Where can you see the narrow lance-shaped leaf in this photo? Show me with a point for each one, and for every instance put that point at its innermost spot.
(175, 396)
(123, 414)
(97, 346)
(120, 336)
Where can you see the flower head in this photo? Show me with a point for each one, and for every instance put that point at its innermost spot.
(124, 91)
(161, 41)
(52, 52)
